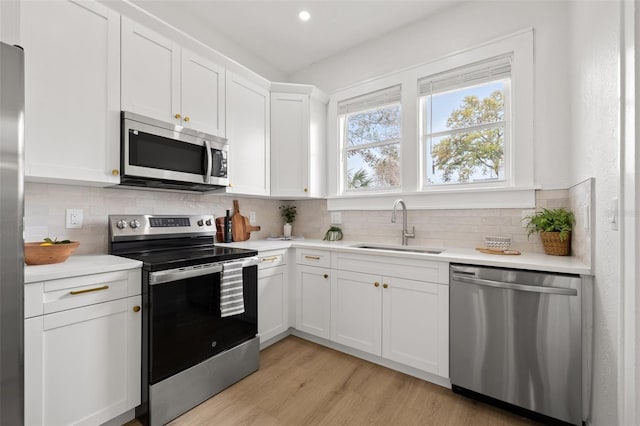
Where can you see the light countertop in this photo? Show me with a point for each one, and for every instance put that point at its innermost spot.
(531, 261)
(78, 265)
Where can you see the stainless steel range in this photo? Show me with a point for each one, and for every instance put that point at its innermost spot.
(200, 310)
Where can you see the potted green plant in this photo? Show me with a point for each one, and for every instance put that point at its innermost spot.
(333, 234)
(554, 227)
(288, 213)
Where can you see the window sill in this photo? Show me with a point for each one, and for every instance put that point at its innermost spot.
(450, 199)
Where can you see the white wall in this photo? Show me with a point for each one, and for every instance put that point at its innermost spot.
(465, 26)
(595, 135)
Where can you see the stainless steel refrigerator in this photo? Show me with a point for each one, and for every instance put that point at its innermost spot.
(11, 239)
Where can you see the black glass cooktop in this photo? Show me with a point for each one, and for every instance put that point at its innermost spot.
(181, 257)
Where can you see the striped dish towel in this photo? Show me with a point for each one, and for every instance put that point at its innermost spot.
(231, 296)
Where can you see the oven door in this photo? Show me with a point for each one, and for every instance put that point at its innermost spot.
(185, 325)
(150, 151)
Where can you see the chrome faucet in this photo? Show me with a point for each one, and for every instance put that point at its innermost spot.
(405, 234)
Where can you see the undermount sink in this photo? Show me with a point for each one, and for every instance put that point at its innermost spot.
(407, 249)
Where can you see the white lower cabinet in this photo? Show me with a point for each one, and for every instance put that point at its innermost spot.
(415, 324)
(82, 361)
(313, 304)
(273, 295)
(403, 318)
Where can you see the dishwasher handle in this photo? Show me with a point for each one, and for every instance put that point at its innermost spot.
(515, 286)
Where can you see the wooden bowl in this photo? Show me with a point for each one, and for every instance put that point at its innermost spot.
(35, 254)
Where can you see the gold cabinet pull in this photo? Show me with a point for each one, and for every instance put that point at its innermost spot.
(178, 116)
(270, 259)
(186, 119)
(376, 284)
(326, 276)
(115, 172)
(385, 285)
(306, 190)
(88, 290)
(136, 308)
(312, 257)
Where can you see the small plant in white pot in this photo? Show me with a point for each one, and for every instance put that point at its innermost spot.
(288, 213)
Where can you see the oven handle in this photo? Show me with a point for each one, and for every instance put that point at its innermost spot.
(182, 273)
(195, 271)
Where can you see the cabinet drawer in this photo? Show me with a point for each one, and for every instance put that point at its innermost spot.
(314, 258)
(272, 258)
(68, 293)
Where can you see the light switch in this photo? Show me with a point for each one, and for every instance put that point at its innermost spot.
(336, 218)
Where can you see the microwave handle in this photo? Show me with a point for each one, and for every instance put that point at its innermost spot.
(207, 173)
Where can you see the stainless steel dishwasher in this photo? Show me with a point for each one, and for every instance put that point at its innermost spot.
(521, 338)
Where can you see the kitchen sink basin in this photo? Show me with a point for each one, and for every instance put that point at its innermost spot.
(405, 249)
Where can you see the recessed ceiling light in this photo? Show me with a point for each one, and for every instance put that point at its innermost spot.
(304, 15)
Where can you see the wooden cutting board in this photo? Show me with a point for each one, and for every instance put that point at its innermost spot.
(240, 226)
(499, 252)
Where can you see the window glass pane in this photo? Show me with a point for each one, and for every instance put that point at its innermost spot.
(377, 125)
(377, 167)
(469, 106)
(469, 157)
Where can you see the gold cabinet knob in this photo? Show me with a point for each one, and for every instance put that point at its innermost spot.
(186, 119)
(306, 190)
(115, 172)
(326, 275)
(385, 285)
(376, 284)
(229, 185)
(136, 308)
(178, 116)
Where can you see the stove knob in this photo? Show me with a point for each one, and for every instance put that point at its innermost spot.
(134, 223)
(121, 224)
(200, 222)
(208, 222)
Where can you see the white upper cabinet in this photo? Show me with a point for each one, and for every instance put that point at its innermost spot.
(72, 91)
(298, 140)
(162, 80)
(248, 136)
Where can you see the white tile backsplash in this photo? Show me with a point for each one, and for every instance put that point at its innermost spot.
(45, 207)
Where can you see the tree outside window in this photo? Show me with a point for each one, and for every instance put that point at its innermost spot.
(464, 134)
(371, 141)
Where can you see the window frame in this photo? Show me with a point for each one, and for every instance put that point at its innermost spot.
(423, 136)
(520, 190)
(344, 149)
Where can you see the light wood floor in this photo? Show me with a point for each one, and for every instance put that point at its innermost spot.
(302, 383)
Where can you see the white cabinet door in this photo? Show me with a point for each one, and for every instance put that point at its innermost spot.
(72, 91)
(298, 141)
(356, 308)
(289, 144)
(313, 308)
(248, 136)
(416, 324)
(203, 87)
(150, 73)
(273, 300)
(82, 366)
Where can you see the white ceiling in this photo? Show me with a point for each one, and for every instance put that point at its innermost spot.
(271, 30)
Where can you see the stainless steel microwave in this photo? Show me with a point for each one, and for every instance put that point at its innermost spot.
(160, 155)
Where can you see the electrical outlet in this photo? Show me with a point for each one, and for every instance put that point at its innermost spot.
(252, 218)
(74, 218)
(336, 218)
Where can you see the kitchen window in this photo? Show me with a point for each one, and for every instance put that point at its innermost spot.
(370, 134)
(463, 138)
(464, 124)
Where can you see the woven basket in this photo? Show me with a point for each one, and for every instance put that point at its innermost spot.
(553, 246)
